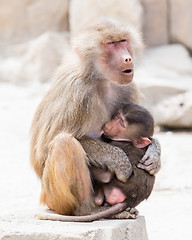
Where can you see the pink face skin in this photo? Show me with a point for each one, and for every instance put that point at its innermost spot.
(116, 129)
(117, 63)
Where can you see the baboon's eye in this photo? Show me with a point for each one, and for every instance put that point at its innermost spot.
(109, 43)
(122, 122)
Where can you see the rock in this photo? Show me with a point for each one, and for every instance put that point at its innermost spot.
(25, 226)
(175, 111)
(22, 20)
(164, 72)
(165, 78)
(180, 22)
(158, 91)
(34, 61)
(174, 57)
(85, 12)
(155, 17)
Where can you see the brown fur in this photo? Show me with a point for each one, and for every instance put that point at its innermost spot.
(60, 162)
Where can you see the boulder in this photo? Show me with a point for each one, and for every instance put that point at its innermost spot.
(175, 112)
(23, 225)
(181, 22)
(85, 12)
(165, 71)
(174, 57)
(34, 61)
(22, 20)
(155, 26)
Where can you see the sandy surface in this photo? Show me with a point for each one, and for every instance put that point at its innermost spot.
(168, 211)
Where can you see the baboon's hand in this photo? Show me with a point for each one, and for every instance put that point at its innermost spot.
(151, 161)
(120, 165)
(105, 156)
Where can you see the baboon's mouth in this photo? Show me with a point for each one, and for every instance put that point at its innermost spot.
(128, 71)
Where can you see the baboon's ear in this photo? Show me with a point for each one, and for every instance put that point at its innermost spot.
(141, 142)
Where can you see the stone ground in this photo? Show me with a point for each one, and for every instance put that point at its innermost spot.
(167, 212)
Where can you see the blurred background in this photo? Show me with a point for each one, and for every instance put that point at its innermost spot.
(34, 36)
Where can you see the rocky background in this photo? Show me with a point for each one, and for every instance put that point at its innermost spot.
(34, 36)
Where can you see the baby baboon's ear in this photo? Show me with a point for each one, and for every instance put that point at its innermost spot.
(141, 142)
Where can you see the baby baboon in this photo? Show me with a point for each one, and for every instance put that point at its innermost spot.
(130, 129)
